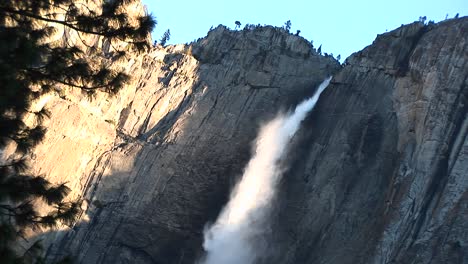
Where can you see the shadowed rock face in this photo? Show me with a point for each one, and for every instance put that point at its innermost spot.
(379, 171)
(376, 174)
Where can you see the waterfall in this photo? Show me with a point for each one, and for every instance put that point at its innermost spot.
(236, 236)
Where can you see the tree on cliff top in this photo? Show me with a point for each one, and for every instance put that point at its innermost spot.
(238, 24)
(30, 66)
(287, 25)
(165, 37)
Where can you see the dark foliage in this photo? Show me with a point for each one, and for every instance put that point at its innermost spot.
(287, 25)
(165, 37)
(238, 24)
(30, 67)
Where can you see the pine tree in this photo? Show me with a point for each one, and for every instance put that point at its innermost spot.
(287, 25)
(238, 24)
(31, 67)
(165, 37)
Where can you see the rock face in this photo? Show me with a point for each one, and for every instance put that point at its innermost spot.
(377, 173)
(156, 171)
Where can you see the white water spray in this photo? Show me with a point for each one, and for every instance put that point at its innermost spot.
(236, 235)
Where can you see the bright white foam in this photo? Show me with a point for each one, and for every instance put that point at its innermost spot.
(236, 235)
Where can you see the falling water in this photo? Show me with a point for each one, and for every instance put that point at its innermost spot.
(235, 236)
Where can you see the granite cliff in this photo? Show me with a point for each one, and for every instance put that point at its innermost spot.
(377, 172)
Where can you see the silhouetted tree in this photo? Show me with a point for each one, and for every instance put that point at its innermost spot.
(298, 32)
(165, 37)
(30, 66)
(319, 50)
(287, 25)
(238, 24)
(338, 57)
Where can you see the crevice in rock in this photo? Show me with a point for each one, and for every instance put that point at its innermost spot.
(403, 65)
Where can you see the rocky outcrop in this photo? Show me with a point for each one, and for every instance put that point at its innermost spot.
(376, 174)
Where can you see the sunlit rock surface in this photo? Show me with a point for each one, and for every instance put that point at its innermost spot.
(376, 174)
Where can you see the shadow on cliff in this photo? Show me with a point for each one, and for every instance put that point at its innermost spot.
(337, 174)
(345, 175)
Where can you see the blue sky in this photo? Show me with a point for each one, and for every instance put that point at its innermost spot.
(340, 26)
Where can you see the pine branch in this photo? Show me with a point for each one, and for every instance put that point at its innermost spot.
(29, 69)
(38, 17)
(82, 20)
(18, 165)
